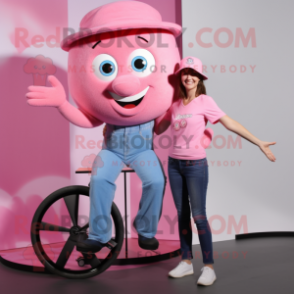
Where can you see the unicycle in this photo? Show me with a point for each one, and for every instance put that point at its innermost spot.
(57, 260)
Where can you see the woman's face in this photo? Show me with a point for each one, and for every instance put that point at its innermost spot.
(189, 78)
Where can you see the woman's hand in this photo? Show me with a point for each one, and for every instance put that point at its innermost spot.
(237, 128)
(264, 146)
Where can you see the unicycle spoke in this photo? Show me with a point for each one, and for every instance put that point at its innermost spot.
(51, 227)
(72, 204)
(84, 228)
(65, 253)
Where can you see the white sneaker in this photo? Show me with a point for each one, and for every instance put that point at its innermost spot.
(181, 270)
(207, 277)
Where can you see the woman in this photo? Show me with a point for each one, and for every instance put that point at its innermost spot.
(187, 163)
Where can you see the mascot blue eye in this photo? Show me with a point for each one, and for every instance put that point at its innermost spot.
(107, 68)
(139, 63)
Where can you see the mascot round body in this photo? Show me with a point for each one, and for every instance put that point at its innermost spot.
(119, 69)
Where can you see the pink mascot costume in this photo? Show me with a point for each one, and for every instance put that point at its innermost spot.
(127, 54)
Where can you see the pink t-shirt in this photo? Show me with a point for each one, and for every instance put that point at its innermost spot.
(188, 124)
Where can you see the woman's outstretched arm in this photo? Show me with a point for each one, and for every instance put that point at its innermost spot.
(237, 128)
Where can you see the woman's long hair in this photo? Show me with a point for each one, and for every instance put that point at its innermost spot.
(199, 90)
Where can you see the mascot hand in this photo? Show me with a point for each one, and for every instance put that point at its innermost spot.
(47, 96)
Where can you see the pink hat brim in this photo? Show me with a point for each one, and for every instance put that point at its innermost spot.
(118, 26)
(204, 76)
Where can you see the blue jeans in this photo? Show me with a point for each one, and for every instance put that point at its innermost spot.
(131, 146)
(188, 181)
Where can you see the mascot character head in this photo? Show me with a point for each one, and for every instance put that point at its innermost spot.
(120, 62)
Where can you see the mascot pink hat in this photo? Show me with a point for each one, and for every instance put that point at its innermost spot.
(120, 16)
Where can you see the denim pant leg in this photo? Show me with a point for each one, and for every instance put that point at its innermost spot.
(196, 175)
(106, 168)
(180, 195)
(147, 166)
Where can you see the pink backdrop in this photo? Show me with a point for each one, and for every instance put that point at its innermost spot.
(35, 143)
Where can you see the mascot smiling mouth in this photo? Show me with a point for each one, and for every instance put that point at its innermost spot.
(130, 101)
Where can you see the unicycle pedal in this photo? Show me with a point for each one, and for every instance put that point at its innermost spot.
(111, 244)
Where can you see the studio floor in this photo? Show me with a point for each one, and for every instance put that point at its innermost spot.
(262, 265)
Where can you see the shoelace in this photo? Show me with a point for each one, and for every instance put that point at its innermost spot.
(181, 263)
(205, 270)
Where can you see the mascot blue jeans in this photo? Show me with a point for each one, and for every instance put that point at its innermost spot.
(131, 146)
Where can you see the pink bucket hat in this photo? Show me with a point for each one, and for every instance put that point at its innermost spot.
(192, 62)
(117, 16)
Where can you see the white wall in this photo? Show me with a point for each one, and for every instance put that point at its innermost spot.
(261, 100)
